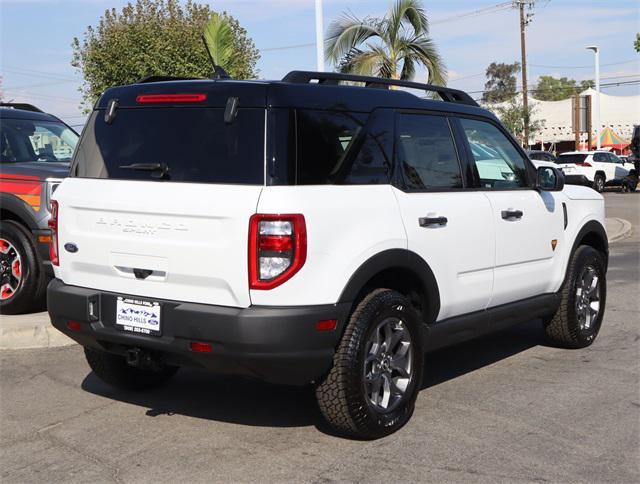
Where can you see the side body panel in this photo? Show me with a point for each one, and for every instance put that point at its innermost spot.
(346, 225)
(527, 248)
(461, 252)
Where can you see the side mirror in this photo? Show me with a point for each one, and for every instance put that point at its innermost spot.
(549, 179)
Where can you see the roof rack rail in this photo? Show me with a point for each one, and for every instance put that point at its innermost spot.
(22, 106)
(334, 78)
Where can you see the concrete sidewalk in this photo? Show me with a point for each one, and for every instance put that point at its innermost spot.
(35, 330)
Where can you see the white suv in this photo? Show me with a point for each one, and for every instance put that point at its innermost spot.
(597, 169)
(308, 232)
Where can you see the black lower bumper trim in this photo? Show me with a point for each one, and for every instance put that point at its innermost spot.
(274, 344)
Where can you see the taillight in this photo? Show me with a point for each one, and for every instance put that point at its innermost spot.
(584, 163)
(277, 249)
(53, 225)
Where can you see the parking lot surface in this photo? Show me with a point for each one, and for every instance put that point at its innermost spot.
(505, 408)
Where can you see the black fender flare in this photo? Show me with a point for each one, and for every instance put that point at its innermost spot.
(396, 259)
(592, 226)
(20, 210)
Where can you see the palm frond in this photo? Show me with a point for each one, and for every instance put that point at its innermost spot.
(410, 11)
(219, 38)
(373, 62)
(424, 51)
(408, 68)
(348, 33)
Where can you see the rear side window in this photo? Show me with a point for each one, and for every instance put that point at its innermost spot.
(426, 153)
(338, 148)
(24, 140)
(174, 144)
(577, 158)
(601, 158)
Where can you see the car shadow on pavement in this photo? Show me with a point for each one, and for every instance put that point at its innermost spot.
(200, 394)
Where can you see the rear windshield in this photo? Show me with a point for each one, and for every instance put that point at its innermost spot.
(173, 144)
(577, 158)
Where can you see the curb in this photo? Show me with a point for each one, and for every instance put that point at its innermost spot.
(18, 334)
(621, 230)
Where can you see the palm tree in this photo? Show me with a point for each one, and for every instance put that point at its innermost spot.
(389, 47)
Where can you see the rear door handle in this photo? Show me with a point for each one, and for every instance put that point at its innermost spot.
(432, 221)
(512, 214)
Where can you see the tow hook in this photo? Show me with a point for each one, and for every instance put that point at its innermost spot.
(142, 359)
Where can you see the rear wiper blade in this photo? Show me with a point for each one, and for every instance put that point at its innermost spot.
(159, 170)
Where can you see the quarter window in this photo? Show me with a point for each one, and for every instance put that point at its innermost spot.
(499, 163)
(426, 153)
(337, 148)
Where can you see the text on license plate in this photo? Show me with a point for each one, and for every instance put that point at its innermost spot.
(138, 316)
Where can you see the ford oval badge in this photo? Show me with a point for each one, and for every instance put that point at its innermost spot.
(71, 247)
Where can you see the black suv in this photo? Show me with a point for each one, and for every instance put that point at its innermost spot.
(35, 151)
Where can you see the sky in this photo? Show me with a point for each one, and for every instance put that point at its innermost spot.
(36, 36)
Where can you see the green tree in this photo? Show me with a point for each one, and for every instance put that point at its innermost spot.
(636, 44)
(154, 37)
(551, 88)
(391, 46)
(501, 82)
(514, 116)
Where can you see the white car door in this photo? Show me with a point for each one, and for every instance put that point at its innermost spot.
(529, 224)
(449, 227)
(601, 163)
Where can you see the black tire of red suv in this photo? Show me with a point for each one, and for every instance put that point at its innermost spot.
(29, 293)
(565, 328)
(115, 371)
(343, 396)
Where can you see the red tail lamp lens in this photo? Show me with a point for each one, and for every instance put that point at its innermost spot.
(170, 98)
(277, 248)
(200, 347)
(74, 325)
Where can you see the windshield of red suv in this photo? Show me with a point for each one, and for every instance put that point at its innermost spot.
(24, 140)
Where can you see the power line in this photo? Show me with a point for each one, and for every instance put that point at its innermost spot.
(585, 67)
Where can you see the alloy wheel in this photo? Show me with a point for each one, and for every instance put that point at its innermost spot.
(588, 298)
(388, 362)
(10, 270)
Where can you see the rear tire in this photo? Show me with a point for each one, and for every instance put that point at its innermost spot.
(115, 371)
(372, 387)
(575, 325)
(598, 183)
(23, 281)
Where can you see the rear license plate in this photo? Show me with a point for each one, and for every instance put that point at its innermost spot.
(138, 316)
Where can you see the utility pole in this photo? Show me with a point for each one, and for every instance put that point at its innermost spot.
(319, 37)
(524, 20)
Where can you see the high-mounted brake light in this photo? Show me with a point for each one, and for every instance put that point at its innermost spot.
(277, 249)
(170, 98)
(53, 226)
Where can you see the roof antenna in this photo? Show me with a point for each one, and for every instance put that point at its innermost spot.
(218, 71)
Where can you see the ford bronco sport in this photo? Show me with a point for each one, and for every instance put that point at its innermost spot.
(35, 151)
(308, 231)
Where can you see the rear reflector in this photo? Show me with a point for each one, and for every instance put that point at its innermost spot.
(326, 324)
(74, 325)
(170, 98)
(200, 347)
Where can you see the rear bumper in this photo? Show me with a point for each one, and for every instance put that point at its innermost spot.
(274, 344)
(578, 180)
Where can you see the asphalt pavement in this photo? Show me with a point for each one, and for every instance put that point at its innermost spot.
(505, 408)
